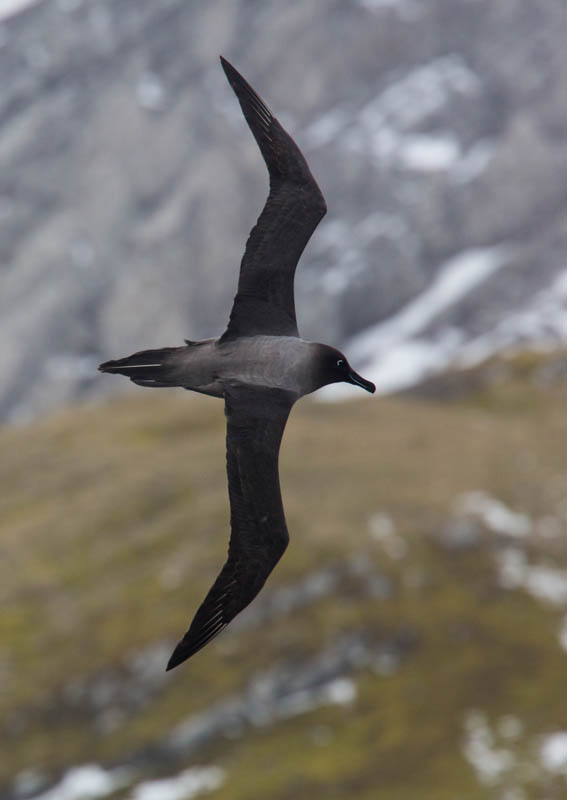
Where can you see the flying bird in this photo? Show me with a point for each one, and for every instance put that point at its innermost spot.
(260, 366)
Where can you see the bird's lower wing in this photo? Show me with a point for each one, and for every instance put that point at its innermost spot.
(256, 419)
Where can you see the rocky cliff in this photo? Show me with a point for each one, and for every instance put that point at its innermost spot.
(129, 181)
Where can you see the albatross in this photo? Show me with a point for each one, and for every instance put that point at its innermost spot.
(260, 366)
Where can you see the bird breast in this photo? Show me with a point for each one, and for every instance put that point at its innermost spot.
(284, 362)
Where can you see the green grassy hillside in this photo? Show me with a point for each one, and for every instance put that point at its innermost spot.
(114, 523)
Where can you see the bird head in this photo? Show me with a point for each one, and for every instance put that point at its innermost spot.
(332, 367)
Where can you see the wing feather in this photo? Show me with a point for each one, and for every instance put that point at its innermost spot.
(256, 418)
(264, 303)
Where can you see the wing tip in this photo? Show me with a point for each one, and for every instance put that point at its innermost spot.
(191, 644)
(177, 657)
(231, 72)
(249, 99)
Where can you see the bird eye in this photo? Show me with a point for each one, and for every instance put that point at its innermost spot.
(341, 362)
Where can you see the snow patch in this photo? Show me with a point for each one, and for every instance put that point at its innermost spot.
(494, 514)
(547, 584)
(397, 353)
(553, 753)
(190, 783)
(403, 365)
(409, 362)
(10, 7)
(87, 782)
(420, 93)
(490, 763)
(384, 128)
(429, 153)
(382, 526)
(544, 583)
(453, 281)
(392, 355)
(340, 691)
(542, 323)
(383, 530)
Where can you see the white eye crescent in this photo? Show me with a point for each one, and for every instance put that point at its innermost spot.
(341, 362)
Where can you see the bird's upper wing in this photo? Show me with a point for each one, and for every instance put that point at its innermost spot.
(256, 419)
(264, 303)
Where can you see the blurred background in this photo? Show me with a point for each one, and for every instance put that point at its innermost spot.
(413, 641)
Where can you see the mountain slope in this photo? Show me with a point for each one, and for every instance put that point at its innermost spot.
(418, 616)
(129, 181)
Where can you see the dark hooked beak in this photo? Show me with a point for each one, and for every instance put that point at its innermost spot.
(358, 380)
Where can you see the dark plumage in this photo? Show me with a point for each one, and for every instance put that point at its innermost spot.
(259, 366)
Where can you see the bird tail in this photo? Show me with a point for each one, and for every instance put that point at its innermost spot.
(148, 367)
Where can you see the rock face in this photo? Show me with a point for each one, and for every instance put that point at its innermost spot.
(129, 180)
